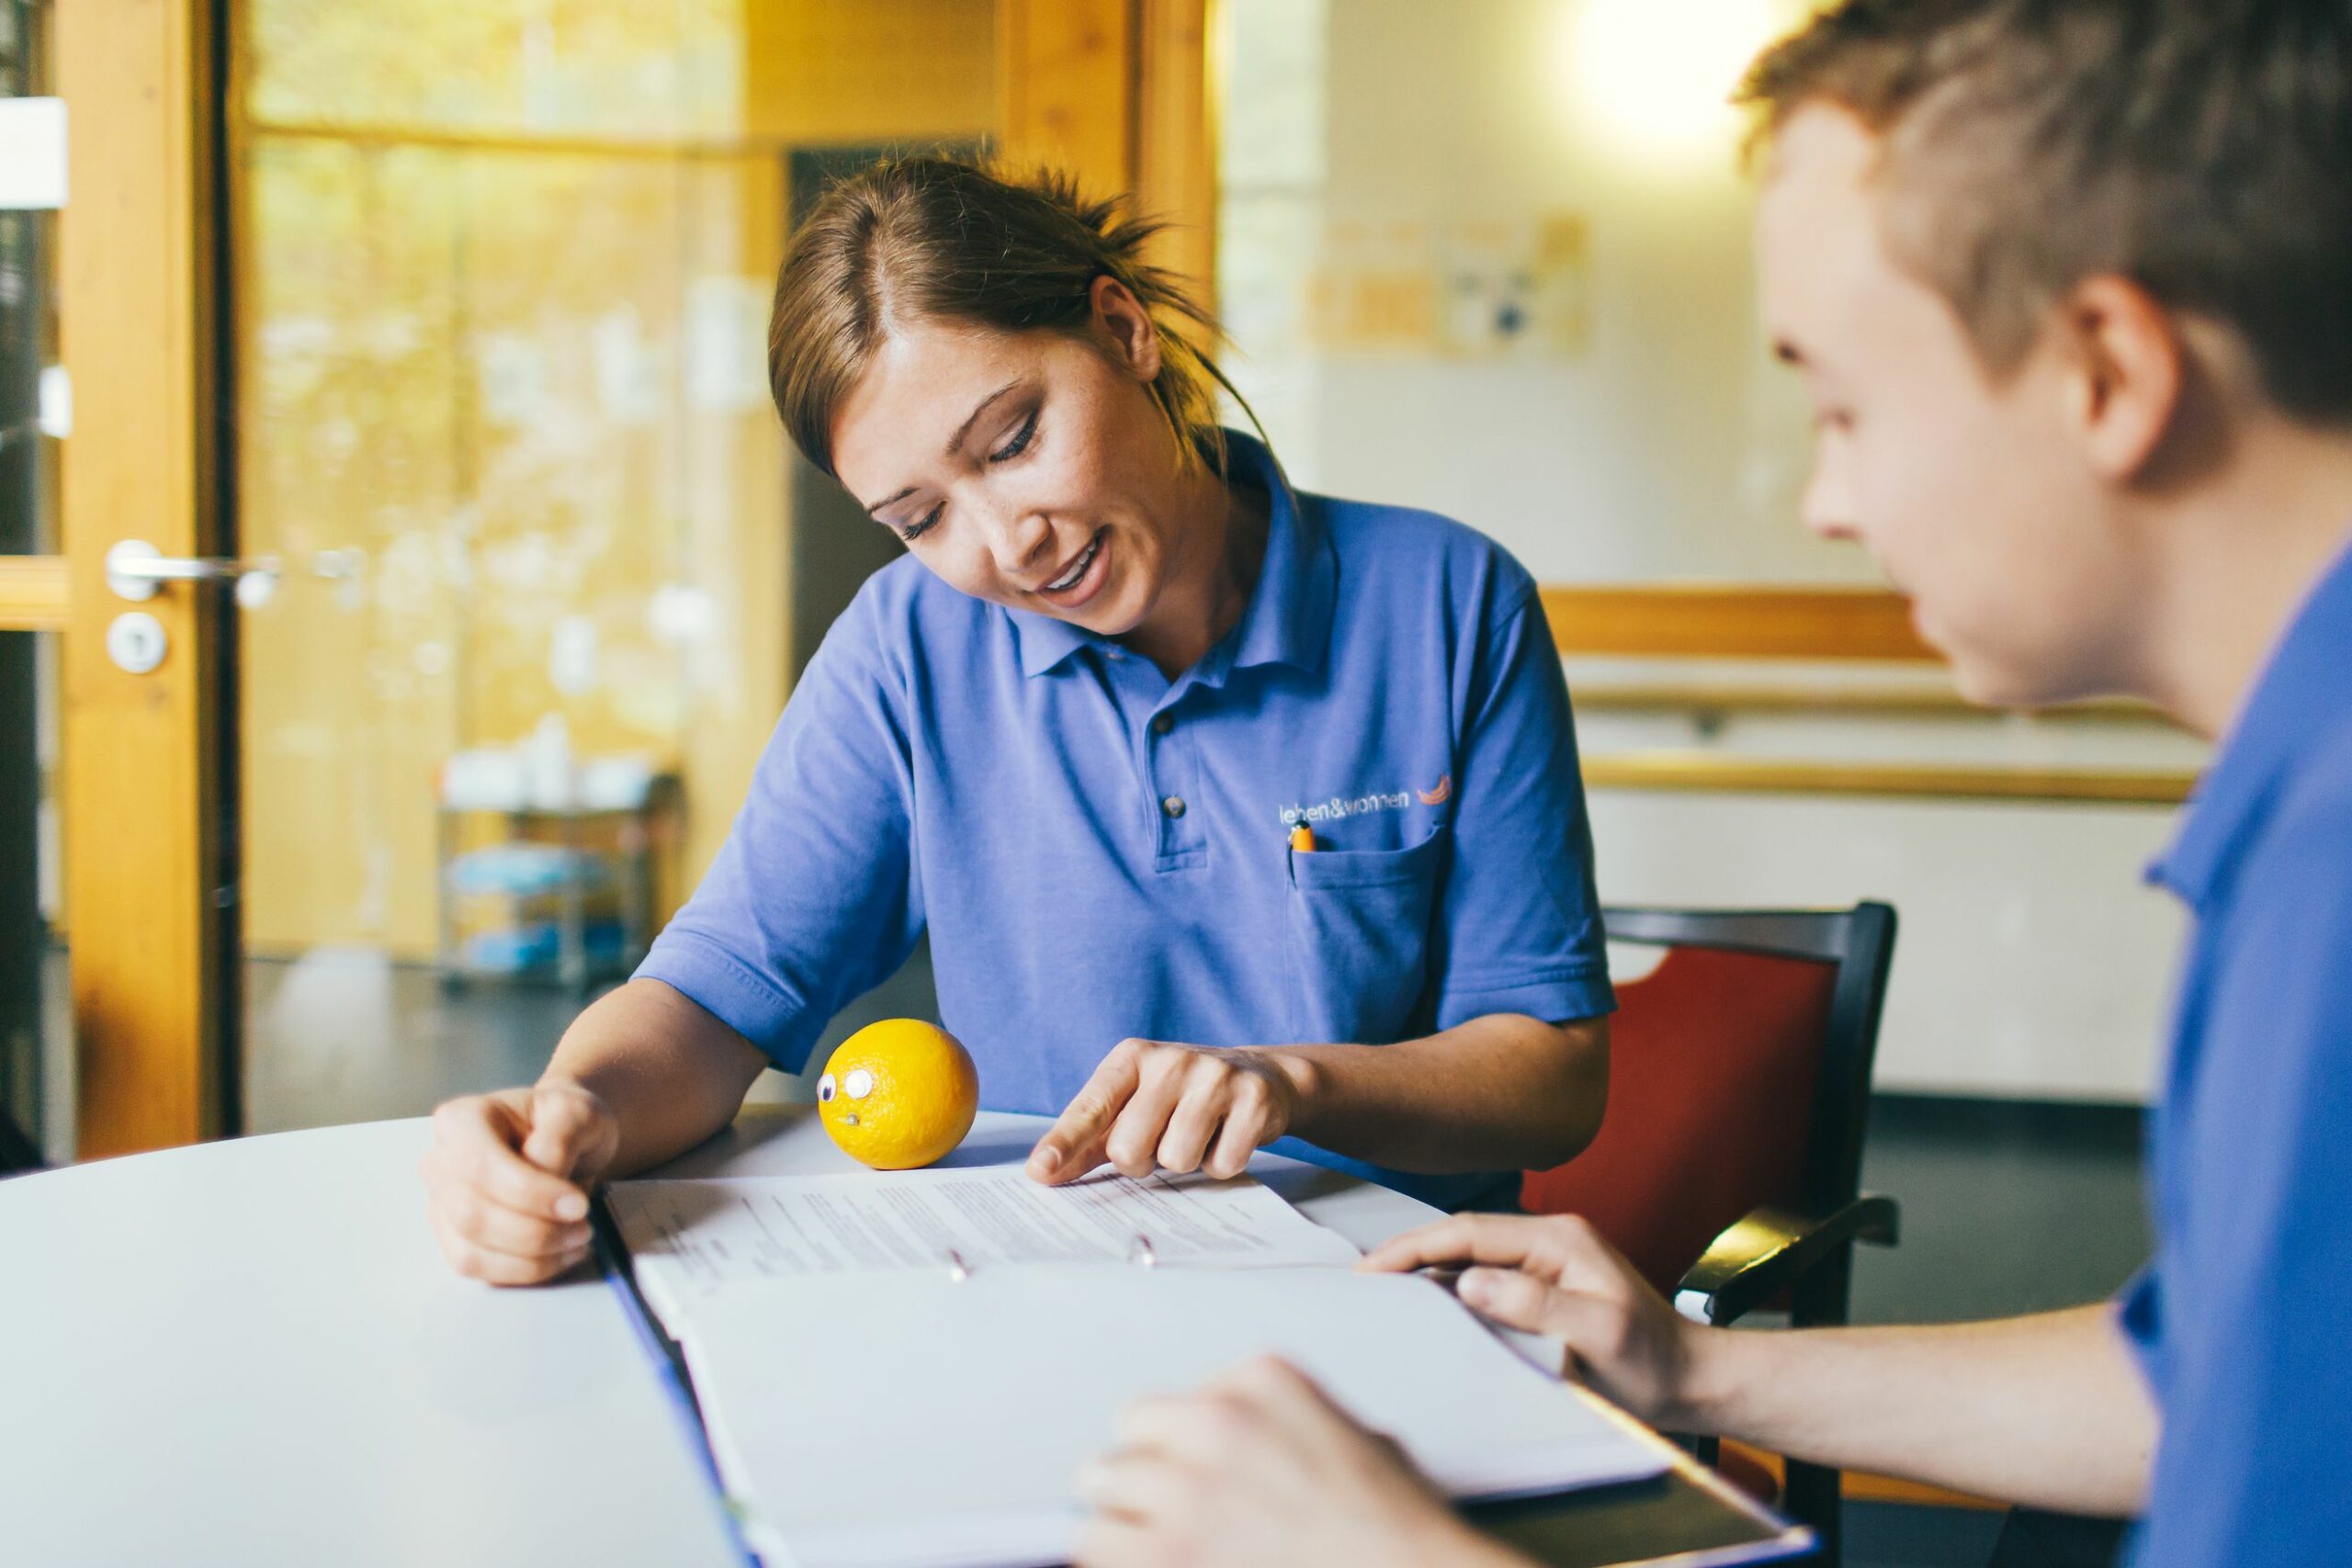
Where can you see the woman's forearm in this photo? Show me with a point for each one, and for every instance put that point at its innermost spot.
(671, 1073)
(1500, 1093)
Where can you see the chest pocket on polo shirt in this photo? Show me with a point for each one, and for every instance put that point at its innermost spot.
(1359, 939)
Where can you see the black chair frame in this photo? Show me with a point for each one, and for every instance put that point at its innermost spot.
(17, 1154)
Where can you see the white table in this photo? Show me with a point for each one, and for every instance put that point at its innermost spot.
(250, 1353)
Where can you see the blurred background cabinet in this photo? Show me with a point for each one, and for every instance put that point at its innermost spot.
(561, 890)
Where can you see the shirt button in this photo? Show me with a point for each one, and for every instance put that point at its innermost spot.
(1173, 806)
(1162, 722)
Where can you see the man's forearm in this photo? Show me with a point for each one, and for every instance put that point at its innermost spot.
(673, 1074)
(1501, 1092)
(2048, 1411)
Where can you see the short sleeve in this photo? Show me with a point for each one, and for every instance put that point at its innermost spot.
(1519, 916)
(2140, 1314)
(811, 901)
(2256, 1361)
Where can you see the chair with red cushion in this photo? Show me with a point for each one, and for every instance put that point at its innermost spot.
(1728, 1167)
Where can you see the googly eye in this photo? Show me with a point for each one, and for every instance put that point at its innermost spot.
(859, 1084)
(826, 1089)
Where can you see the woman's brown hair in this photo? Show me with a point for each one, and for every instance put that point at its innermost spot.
(930, 238)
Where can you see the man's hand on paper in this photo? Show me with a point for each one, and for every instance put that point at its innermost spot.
(1554, 1275)
(506, 1179)
(1259, 1468)
(1153, 1105)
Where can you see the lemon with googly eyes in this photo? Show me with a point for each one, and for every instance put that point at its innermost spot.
(899, 1094)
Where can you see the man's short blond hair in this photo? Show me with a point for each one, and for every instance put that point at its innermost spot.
(2201, 147)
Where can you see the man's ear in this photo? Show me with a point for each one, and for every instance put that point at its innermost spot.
(1125, 327)
(2129, 373)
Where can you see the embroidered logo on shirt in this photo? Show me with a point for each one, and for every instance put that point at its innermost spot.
(1338, 806)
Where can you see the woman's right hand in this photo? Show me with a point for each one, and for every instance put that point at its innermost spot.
(506, 1179)
(1554, 1275)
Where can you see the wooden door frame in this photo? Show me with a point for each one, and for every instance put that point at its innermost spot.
(147, 788)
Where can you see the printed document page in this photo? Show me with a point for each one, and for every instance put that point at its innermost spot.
(914, 1419)
(688, 1237)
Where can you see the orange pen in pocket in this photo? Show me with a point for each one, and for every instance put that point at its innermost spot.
(1302, 837)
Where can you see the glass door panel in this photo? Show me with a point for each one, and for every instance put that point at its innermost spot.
(501, 284)
(35, 1059)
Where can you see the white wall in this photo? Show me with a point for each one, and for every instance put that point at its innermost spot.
(1662, 443)
(1672, 447)
(2029, 960)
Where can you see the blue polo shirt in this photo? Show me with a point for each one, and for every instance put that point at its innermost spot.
(1098, 851)
(2240, 1321)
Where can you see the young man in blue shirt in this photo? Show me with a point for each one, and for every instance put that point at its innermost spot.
(2070, 282)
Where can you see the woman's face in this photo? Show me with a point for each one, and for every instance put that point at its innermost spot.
(1030, 470)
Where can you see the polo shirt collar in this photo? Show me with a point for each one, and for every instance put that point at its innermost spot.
(1045, 641)
(2298, 696)
(1288, 619)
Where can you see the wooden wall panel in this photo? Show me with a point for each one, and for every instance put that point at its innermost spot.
(1119, 92)
(1176, 140)
(1067, 73)
(820, 71)
(1713, 774)
(1735, 621)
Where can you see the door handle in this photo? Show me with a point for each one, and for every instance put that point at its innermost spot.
(137, 571)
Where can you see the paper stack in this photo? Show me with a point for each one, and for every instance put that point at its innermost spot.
(910, 1369)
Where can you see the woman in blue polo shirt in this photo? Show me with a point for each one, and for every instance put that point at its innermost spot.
(1236, 817)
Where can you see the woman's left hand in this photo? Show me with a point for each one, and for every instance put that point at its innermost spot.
(1261, 1470)
(1153, 1105)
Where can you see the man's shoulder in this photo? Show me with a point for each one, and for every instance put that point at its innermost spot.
(2307, 831)
(2292, 890)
